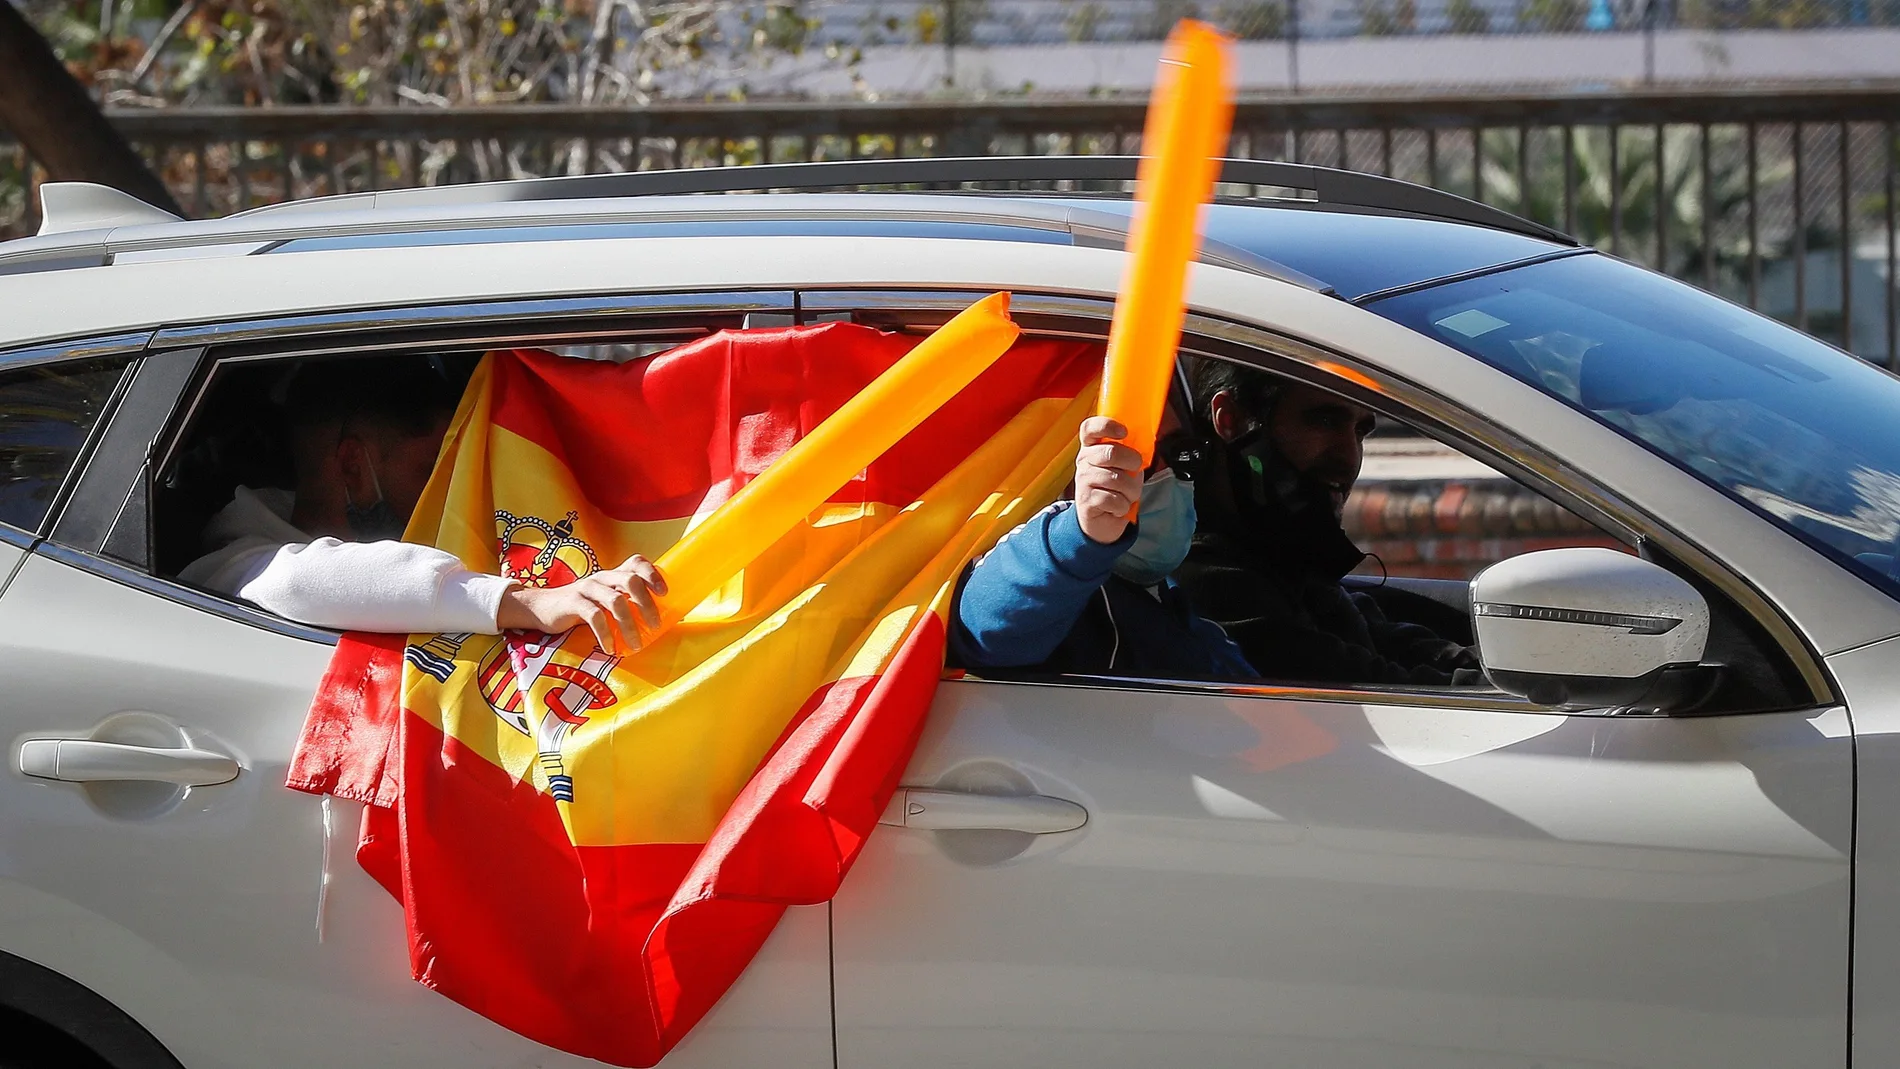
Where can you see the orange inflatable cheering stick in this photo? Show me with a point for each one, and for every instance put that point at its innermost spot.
(1186, 135)
(840, 447)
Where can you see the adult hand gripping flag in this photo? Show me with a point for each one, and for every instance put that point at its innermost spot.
(589, 848)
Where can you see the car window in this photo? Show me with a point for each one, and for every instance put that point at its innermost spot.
(1428, 517)
(1336, 544)
(1803, 434)
(239, 442)
(1426, 510)
(46, 414)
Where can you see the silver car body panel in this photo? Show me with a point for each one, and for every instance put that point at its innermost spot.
(244, 235)
(1471, 886)
(234, 921)
(1870, 679)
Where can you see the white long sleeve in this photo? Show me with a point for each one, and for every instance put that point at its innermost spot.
(374, 586)
(387, 586)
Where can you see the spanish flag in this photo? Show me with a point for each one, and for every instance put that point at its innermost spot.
(589, 847)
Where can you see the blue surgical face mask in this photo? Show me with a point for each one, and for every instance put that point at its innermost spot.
(1163, 530)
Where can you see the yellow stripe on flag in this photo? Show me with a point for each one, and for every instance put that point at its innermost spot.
(691, 717)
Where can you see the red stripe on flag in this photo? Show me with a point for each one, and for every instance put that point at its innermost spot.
(348, 745)
(795, 829)
(507, 917)
(661, 438)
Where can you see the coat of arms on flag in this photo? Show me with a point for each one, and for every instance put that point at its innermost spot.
(589, 848)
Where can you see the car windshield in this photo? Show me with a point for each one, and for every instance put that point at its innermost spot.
(1802, 433)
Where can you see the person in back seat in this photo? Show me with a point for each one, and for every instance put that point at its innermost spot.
(364, 435)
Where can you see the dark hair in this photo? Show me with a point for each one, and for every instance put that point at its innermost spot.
(408, 395)
(1255, 388)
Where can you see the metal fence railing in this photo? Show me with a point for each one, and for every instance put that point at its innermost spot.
(1783, 200)
(1014, 22)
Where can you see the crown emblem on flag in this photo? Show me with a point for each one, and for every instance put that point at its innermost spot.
(529, 669)
(537, 553)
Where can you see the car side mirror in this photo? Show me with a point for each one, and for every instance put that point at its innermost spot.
(1591, 626)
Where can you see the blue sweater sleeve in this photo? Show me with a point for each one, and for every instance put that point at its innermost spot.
(1017, 603)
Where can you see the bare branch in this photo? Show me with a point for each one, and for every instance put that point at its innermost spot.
(160, 39)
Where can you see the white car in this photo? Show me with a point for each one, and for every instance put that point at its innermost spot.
(1690, 858)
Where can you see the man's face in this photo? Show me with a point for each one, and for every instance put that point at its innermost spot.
(1322, 435)
(372, 459)
(403, 465)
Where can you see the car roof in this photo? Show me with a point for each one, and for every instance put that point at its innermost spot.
(1353, 254)
(1357, 236)
(1362, 253)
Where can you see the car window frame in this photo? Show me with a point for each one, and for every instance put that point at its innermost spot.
(120, 464)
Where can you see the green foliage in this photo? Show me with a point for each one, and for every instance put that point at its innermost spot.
(780, 27)
(1683, 205)
(1083, 21)
(1466, 16)
(1383, 18)
(1165, 13)
(14, 183)
(435, 52)
(1760, 14)
(954, 21)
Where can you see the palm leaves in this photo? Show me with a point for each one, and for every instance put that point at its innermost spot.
(1614, 189)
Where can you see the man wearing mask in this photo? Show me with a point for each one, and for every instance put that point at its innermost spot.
(1081, 588)
(1271, 552)
(363, 436)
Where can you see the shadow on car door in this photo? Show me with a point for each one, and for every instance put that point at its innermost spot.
(1271, 878)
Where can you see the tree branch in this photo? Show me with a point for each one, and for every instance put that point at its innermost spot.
(56, 120)
(160, 40)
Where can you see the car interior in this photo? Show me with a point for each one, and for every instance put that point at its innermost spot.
(237, 438)
(1429, 515)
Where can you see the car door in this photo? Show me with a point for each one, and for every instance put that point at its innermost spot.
(1096, 872)
(221, 910)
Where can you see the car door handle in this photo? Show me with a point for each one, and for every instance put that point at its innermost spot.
(933, 810)
(87, 761)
